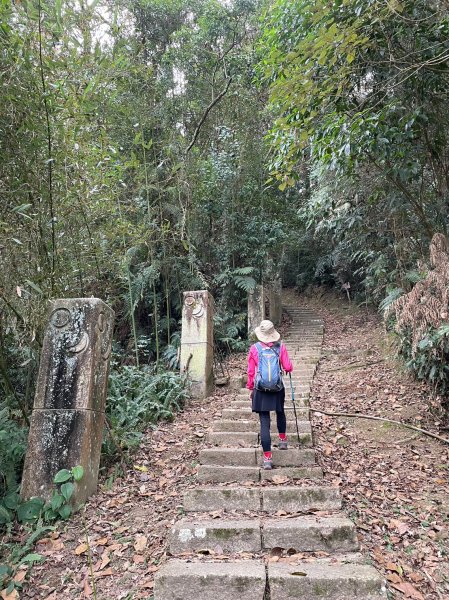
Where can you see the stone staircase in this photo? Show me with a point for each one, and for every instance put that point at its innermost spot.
(288, 514)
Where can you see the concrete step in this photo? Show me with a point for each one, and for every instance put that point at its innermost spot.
(300, 403)
(311, 534)
(230, 536)
(292, 473)
(293, 457)
(303, 534)
(245, 457)
(253, 425)
(239, 457)
(322, 579)
(246, 414)
(181, 580)
(300, 499)
(222, 498)
(305, 439)
(247, 438)
(300, 400)
(235, 439)
(304, 339)
(291, 499)
(229, 473)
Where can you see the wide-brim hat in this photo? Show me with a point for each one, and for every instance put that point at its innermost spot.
(266, 332)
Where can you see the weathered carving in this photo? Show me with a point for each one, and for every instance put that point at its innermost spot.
(68, 416)
(197, 344)
(195, 306)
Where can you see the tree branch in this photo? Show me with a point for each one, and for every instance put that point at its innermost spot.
(206, 112)
(373, 418)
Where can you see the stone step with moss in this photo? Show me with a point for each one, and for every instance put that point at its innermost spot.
(229, 473)
(290, 499)
(250, 425)
(322, 579)
(182, 580)
(293, 457)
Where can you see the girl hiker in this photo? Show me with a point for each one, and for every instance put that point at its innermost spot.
(266, 360)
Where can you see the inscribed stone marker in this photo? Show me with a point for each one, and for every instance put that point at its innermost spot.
(68, 417)
(197, 341)
(256, 308)
(275, 300)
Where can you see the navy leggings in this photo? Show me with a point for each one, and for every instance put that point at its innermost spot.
(265, 436)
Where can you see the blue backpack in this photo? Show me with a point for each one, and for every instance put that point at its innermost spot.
(268, 376)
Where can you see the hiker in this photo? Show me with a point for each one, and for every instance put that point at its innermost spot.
(266, 360)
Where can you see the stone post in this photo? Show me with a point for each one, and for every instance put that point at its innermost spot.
(256, 308)
(197, 341)
(275, 299)
(66, 427)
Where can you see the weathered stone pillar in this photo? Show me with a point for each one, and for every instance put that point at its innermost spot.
(68, 416)
(275, 299)
(256, 308)
(197, 341)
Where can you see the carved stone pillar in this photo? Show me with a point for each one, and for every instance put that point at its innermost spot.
(275, 301)
(197, 341)
(256, 308)
(68, 417)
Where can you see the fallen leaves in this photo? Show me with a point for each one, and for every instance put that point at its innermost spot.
(140, 543)
(408, 590)
(279, 479)
(394, 485)
(81, 549)
(141, 468)
(5, 595)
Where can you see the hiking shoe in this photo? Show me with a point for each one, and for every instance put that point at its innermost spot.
(283, 445)
(267, 464)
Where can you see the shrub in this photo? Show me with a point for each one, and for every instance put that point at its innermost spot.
(13, 438)
(420, 318)
(138, 397)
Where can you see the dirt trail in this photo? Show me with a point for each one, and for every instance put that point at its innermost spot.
(395, 483)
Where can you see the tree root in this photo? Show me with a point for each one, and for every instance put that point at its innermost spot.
(373, 418)
(353, 366)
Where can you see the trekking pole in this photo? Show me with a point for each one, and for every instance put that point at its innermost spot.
(294, 406)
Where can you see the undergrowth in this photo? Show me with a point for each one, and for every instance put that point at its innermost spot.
(420, 320)
(139, 397)
(13, 437)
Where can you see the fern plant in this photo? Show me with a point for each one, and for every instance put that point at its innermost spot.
(13, 439)
(139, 397)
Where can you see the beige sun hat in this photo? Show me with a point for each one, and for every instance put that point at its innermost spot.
(266, 332)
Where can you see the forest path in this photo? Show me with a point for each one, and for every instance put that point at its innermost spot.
(394, 484)
(266, 535)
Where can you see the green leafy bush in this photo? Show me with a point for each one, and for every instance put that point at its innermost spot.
(420, 318)
(35, 514)
(32, 510)
(230, 332)
(138, 397)
(13, 438)
(429, 361)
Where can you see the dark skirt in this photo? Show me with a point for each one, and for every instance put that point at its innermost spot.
(268, 401)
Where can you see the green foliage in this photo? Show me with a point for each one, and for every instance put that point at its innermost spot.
(230, 332)
(358, 129)
(429, 361)
(12, 451)
(392, 296)
(35, 509)
(138, 398)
